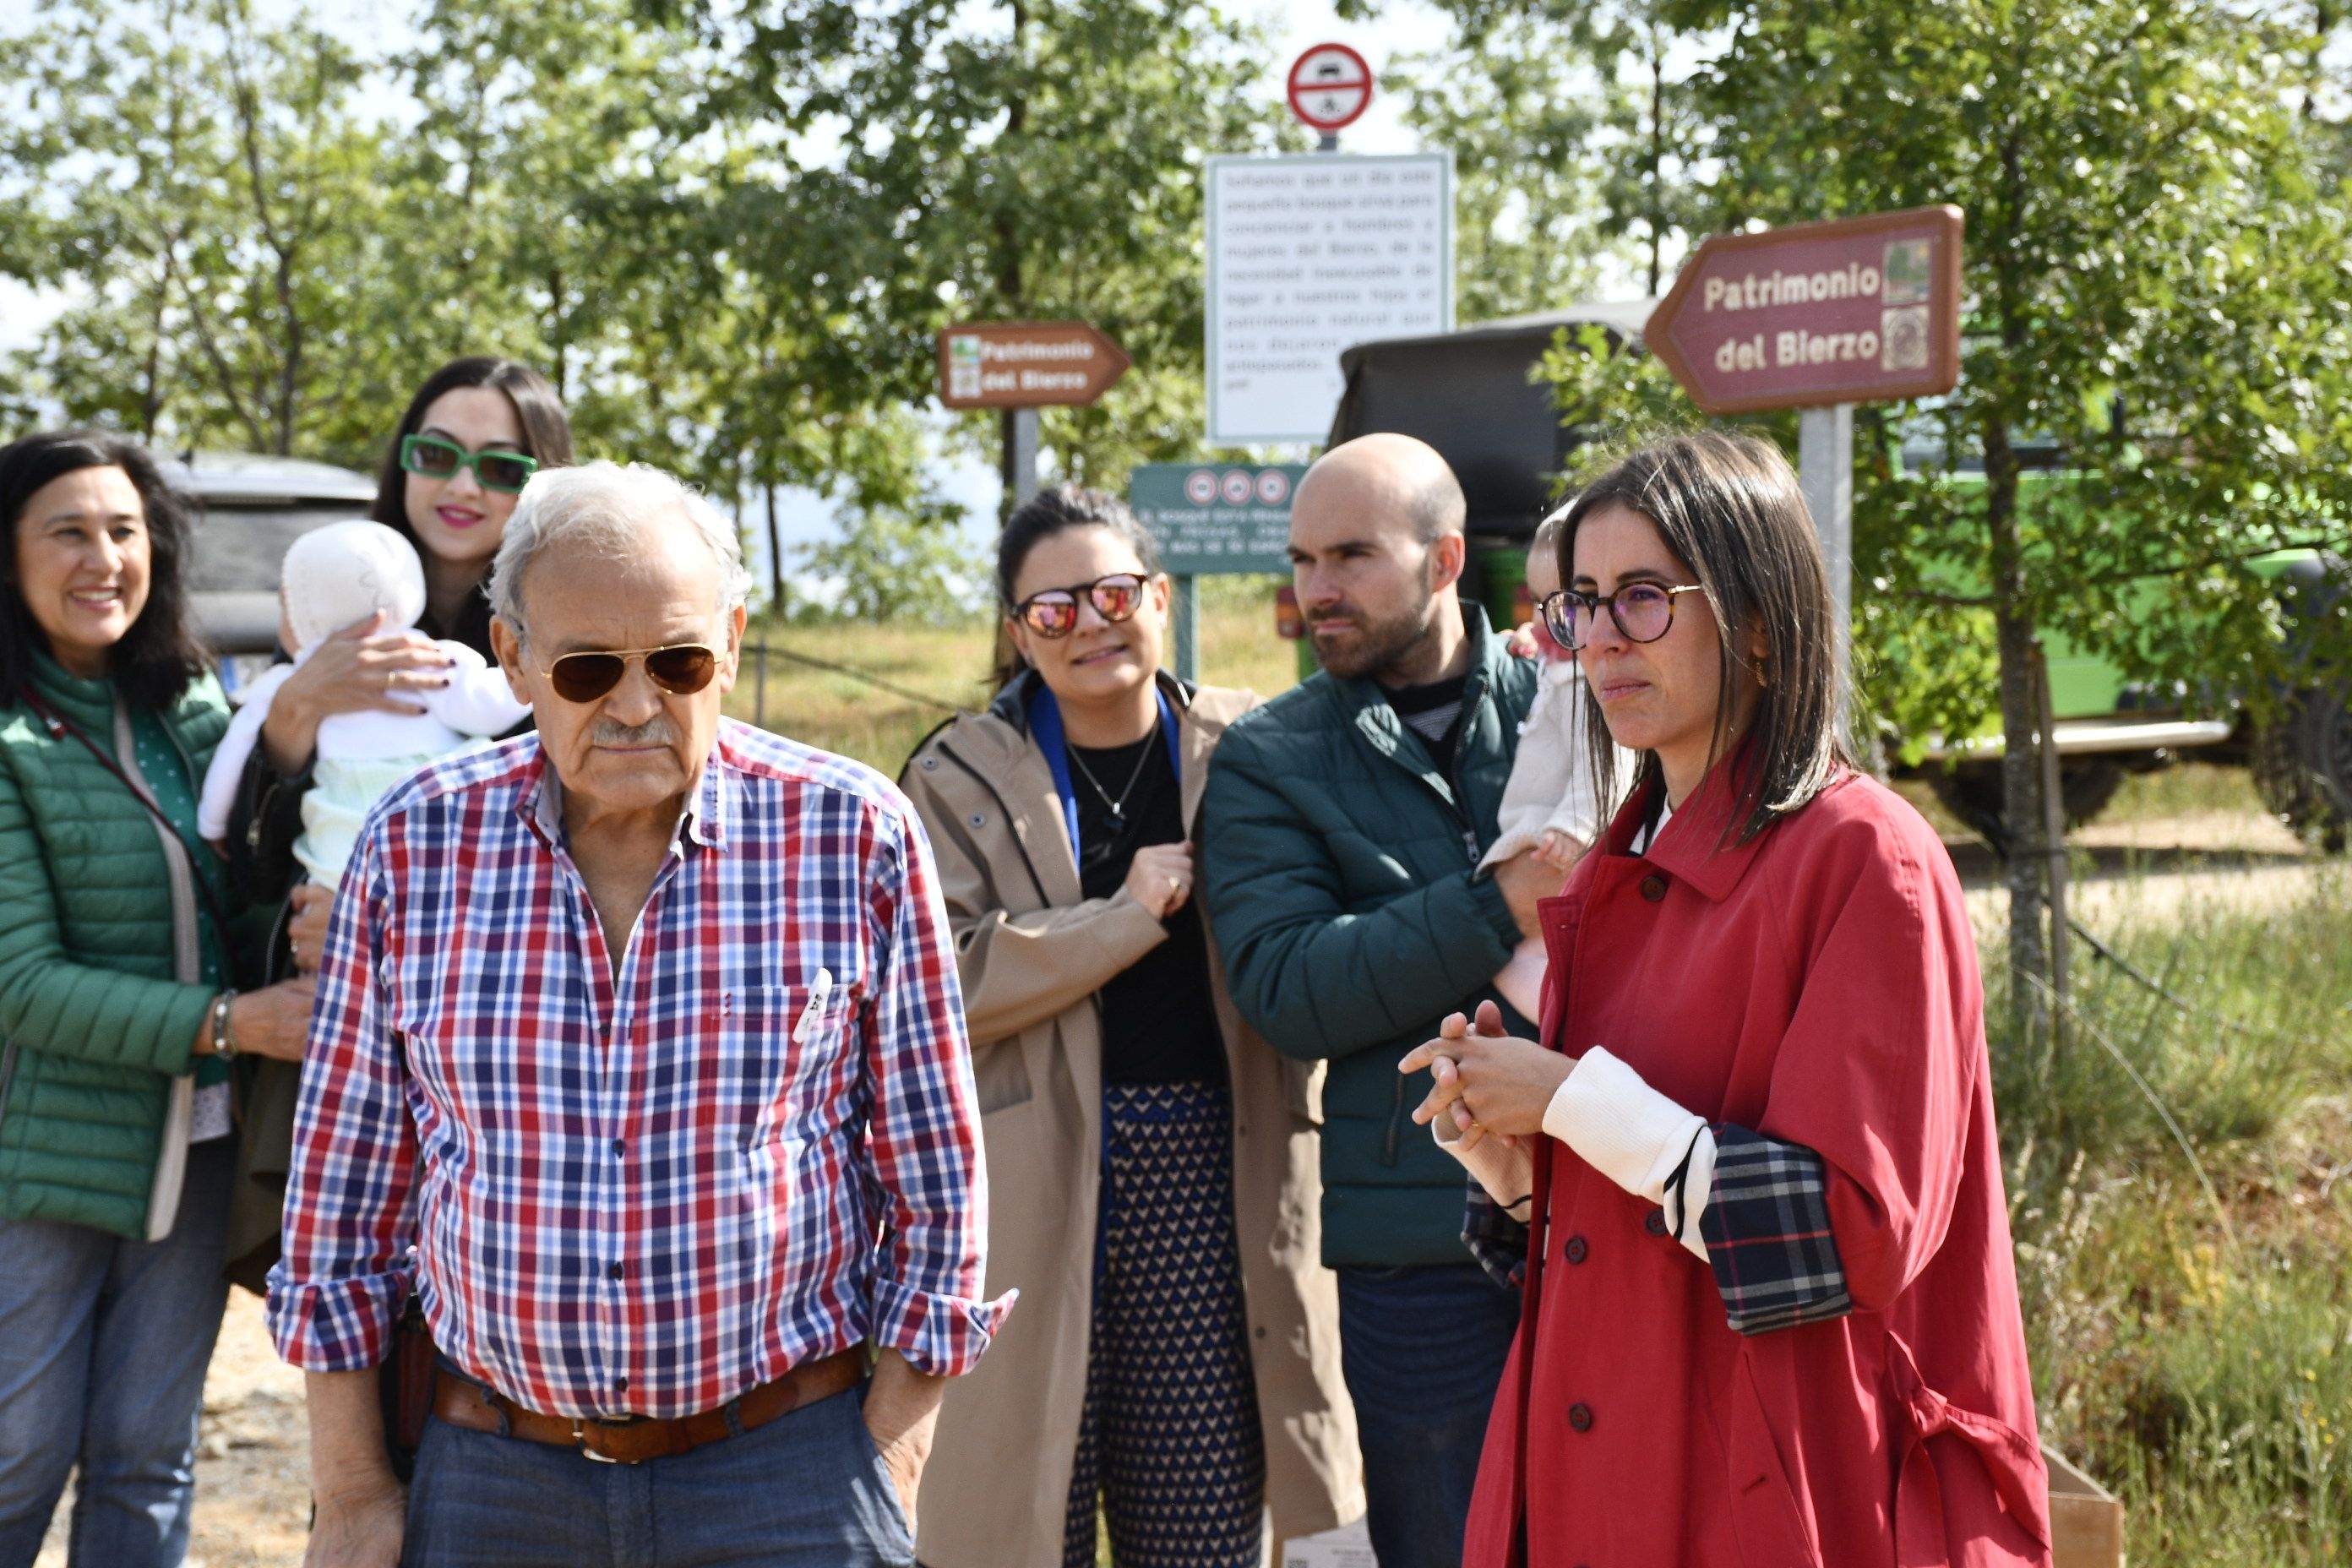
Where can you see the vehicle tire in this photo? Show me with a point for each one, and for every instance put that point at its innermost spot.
(1973, 792)
(2303, 767)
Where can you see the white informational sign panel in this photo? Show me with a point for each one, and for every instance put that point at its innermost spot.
(1306, 255)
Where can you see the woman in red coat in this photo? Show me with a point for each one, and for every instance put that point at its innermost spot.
(1770, 1313)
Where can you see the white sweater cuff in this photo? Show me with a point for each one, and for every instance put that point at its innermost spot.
(1636, 1137)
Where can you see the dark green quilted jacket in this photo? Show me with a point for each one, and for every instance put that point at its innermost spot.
(1336, 868)
(94, 1032)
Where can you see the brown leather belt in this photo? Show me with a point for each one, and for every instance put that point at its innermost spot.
(632, 1440)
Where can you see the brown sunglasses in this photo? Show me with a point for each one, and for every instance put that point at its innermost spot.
(683, 668)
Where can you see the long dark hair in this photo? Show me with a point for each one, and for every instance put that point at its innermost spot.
(1729, 507)
(546, 435)
(159, 656)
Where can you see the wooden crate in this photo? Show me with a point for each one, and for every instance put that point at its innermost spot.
(2086, 1522)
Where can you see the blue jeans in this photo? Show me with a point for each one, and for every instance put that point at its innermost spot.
(807, 1490)
(1423, 1351)
(103, 1345)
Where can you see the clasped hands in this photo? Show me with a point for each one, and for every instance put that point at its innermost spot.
(1487, 1082)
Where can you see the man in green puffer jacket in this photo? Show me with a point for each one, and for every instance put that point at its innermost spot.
(1340, 838)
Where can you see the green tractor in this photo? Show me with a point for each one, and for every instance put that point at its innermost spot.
(1470, 395)
(2108, 727)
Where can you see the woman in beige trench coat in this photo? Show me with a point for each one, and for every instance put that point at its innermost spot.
(1152, 1163)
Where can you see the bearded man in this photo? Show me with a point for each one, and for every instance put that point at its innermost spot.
(1339, 841)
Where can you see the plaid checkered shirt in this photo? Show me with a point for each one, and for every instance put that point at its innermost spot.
(644, 1186)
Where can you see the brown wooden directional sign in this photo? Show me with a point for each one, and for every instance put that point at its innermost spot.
(1859, 309)
(1026, 365)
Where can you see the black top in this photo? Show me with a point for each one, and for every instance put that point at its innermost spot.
(1159, 1024)
(1433, 712)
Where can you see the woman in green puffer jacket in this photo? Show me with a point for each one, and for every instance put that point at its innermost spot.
(118, 1011)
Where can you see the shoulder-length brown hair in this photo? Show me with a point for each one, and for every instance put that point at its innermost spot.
(160, 657)
(546, 435)
(1730, 508)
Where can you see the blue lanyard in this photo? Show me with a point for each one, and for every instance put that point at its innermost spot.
(1045, 724)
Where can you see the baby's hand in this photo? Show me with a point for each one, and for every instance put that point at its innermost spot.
(1559, 850)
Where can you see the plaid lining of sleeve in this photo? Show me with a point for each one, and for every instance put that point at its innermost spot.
(1498, 1241)
(1767, 1226)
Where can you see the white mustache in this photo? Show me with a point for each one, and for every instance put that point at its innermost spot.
(654, 732)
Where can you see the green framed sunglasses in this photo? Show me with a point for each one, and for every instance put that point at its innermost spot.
(438, 458)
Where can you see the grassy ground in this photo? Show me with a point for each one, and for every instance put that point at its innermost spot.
(940, 668)
(2184, 1231)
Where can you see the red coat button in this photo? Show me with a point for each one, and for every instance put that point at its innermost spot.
(1653, 888)
(1580, 1416)
(1574, 1250)
(1655, 1223)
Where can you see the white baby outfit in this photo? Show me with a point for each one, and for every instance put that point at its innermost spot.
(1551, 786)
(335, 578)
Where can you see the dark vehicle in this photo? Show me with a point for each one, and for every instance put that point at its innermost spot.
(252, 507)
(1469, 394)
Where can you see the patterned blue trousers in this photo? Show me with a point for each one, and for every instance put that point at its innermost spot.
(1170, 1436)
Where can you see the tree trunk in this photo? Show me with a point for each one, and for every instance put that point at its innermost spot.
(2021, 727)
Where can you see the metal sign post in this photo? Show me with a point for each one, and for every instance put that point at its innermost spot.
(1826, 471)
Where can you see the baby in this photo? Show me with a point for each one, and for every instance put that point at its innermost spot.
(334, 577)
(1552, 805)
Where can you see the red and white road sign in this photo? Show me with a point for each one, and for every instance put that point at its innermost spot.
(1330, 87)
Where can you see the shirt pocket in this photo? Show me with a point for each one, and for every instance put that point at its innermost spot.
(788, 1067)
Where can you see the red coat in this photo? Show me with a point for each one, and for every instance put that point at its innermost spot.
(1817, 985)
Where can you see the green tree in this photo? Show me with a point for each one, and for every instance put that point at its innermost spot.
(2156, 294)
(200, 184)
(1574, 133)
(929, 164)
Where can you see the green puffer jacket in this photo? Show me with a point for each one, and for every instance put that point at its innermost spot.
(1336, 868)
(95, 1034)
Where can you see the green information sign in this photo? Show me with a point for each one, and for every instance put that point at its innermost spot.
(1215, 518)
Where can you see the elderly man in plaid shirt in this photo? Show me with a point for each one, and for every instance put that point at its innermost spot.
(639, 1056)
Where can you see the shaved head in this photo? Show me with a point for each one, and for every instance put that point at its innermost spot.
(1386, 478)
(1376, 548)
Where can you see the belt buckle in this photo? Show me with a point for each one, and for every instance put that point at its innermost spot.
(580, 1440)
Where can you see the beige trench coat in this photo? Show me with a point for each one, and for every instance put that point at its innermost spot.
(1032, 954)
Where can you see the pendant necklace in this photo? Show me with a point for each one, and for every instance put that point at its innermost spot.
(1117, 807)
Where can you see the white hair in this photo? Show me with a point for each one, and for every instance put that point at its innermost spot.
(606, 506)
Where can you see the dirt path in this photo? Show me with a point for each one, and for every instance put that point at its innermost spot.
(2154, 870)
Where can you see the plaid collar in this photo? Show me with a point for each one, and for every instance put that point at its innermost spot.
(539, 801)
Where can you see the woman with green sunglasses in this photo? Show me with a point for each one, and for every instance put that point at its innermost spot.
(473, 434)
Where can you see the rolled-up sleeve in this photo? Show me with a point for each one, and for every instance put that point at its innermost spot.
(922, 1154)
(349, 1217)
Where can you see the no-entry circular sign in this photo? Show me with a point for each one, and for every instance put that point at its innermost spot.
(1330, 87)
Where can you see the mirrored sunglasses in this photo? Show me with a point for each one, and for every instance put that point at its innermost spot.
(1054, 612)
